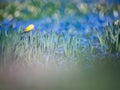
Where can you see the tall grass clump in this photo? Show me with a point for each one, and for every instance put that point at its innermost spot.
(8, 42)
(110, 39)
(39, 46)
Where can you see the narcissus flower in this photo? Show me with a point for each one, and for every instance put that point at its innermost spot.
(29, 28)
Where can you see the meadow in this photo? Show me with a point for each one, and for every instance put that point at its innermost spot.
(71, 46)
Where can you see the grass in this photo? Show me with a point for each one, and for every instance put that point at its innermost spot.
(32, 46)
(110, 40)
(82, 65)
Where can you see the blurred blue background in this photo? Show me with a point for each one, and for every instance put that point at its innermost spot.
(74, 16)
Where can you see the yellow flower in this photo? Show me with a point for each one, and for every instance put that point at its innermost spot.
(29, 28)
